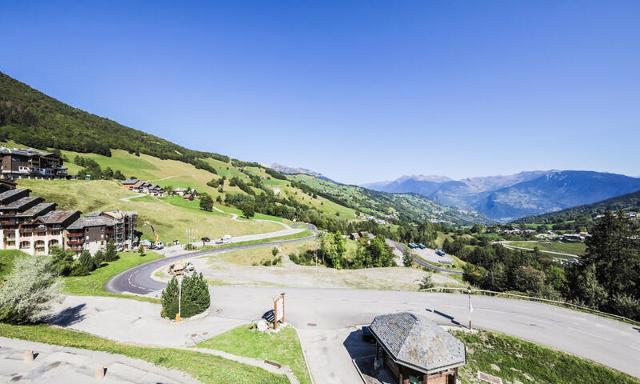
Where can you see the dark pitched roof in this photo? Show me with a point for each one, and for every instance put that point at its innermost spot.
(20, 203)
(57, 217)
(92, 220)
(414, 341)
(37, 209)
(11, 193)
(130, 181)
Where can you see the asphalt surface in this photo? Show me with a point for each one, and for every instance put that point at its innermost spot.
(138, 280)
(326, 317)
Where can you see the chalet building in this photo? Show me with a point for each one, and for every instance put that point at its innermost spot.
(415, 350)
(30, 163)
(93, 231)
(124, 231)
(141, 186)
(130, 183)
(32, 225)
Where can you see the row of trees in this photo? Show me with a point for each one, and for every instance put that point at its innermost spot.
(369, 253)
(92, 169)
(64, 264)
(606, 277)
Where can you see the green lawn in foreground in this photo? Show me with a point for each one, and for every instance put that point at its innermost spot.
(518, 358)
(282, 347)
(205, 368)
(93, 284)
(553, 246)
(7, 259)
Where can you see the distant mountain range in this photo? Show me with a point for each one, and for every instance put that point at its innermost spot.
(295, 171)
(506, 198)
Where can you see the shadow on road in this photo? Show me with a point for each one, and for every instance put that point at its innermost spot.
(68, 316)
(356, 346)
(446, 316)
(637, 329)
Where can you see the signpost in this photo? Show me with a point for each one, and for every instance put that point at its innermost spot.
(278, 310)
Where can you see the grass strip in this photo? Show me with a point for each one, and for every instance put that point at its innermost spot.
(515, 360)
(94, 283)
(282, 347)
(203, 367)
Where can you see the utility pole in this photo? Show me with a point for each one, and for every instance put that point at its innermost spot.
(470, 307)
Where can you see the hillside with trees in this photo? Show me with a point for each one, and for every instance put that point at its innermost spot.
(605, 277)
(396, 207)
(584, 214)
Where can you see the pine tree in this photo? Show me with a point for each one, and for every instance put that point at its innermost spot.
(85, 264)
(169, 299)
(98, 259)
(111, 253)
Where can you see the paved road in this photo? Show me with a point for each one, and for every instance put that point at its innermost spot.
(138, 280)
(326, 316)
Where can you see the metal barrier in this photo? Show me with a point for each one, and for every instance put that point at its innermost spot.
(581, 308)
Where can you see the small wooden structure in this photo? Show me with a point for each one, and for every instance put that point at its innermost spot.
(278, 310)
(416, 350)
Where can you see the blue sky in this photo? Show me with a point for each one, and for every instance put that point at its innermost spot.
(358, 90)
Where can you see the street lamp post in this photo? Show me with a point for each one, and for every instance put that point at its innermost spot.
(179, 314)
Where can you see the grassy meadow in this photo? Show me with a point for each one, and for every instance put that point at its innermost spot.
(169, 218)
(552, 246)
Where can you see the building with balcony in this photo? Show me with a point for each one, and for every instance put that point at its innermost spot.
(30, 163)
(32, 225)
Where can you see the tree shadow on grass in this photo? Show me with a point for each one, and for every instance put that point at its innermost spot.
(68, 316)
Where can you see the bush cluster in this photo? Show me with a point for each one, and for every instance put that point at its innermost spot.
(195, 297)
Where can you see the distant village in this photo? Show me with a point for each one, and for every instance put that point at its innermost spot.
(35, 226)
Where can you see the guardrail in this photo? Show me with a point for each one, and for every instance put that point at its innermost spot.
(484, 292)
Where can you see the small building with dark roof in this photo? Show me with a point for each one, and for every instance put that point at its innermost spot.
(416, 350)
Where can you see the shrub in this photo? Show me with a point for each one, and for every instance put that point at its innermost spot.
(426, 282)
(29, 291)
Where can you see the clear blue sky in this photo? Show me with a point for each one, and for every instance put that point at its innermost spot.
(360, 91)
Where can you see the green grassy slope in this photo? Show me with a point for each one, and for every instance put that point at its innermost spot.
(170, 221)
(518, 361)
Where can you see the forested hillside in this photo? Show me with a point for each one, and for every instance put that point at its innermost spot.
(586, 213)
(395, 206)
(32, 118)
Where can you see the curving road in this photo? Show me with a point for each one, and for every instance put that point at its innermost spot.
(138, 280)
(325, 318)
